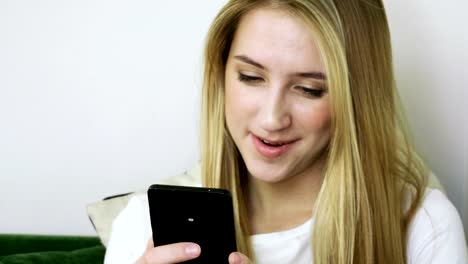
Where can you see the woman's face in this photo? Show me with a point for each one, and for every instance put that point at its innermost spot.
(277, 104)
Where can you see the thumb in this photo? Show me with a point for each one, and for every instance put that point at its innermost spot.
(239, 258)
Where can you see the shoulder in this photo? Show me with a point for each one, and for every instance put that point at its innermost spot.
(130, 233)
(136, 209)
(436, 211)
(102, 213)
(436, 234)
(131, 228)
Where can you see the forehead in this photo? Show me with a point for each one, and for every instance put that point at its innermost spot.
(273, 36)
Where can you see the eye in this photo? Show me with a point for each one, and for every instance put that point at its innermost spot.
(249, 78)
(311, 92)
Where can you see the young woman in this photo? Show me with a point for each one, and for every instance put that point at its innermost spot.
(301, 122)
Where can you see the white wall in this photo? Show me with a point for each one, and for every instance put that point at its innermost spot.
(96, 98)
(101, 97)
(430, 43)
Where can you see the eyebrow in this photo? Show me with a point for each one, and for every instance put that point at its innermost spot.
(249, 61)
(314, 74)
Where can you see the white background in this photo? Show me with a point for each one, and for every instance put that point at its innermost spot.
(101, 97)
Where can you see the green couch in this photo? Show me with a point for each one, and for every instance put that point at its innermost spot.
(40, 249)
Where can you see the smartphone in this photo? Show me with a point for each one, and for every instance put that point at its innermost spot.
(193, 214)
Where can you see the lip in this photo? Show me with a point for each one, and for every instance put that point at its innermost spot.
(271, 151)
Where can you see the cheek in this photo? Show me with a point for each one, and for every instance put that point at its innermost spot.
(316, 119)
(240, 103)
(233, 103)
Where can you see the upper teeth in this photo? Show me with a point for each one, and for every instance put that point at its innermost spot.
(271, 143)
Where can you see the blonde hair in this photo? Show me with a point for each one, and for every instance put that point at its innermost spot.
(360, 213)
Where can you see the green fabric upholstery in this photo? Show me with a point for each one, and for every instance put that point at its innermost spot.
(50, 249)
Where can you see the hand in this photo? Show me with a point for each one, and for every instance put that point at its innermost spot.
(168, 254)
(239, 258)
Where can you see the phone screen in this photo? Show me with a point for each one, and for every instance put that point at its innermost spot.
(194, 214)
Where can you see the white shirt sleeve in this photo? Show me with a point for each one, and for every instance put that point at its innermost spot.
(436, 233)
(131, 231)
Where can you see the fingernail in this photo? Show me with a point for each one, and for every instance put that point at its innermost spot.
(192, 250)
(236, 258)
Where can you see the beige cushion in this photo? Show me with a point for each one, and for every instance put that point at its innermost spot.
(102, 213)
(434, 183)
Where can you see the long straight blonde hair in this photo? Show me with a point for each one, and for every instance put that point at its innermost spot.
(361, 214)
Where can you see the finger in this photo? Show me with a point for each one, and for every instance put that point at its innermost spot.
(238, 258)
(173, 253)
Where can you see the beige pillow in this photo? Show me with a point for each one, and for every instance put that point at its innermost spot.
(434, 183)
(102, 213)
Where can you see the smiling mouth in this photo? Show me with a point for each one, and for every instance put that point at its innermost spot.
(271, 148)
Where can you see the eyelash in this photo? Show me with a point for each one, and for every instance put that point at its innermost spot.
(313, 93)
(249, 79)
(309, 92)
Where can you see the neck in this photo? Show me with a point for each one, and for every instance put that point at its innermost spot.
(277, 206)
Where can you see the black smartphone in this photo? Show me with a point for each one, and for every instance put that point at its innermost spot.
(194, 214)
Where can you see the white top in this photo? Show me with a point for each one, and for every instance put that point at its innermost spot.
(435, 236)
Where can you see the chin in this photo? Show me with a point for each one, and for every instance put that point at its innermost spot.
(262, 171)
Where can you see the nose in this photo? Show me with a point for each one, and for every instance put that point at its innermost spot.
(274, 111)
